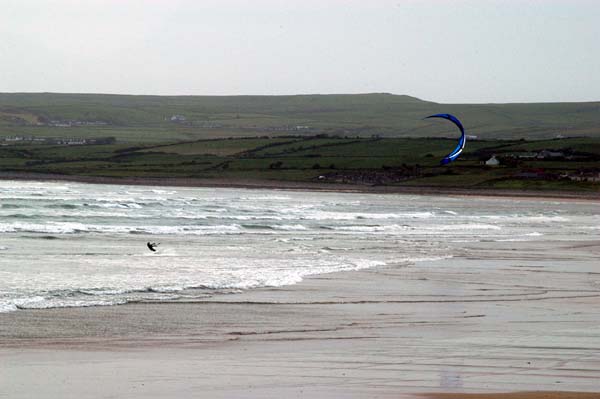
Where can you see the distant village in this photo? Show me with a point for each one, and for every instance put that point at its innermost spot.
(390, 175)
(56, 140)
(182, 119)
(72, 123)
(541, 173)
(42, 121)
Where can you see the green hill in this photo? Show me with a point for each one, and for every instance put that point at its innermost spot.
(180, 118)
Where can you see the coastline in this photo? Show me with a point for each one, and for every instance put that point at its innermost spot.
(396, 331)
(302, 186)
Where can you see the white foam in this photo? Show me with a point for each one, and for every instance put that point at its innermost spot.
(290, 227)
(464, 227)
(524, 218)
(231, 239)
(6, 307)
(72, 228)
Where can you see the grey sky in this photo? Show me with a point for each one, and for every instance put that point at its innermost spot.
(444, 51)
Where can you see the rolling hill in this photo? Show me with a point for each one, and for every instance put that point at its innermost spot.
(141, 119)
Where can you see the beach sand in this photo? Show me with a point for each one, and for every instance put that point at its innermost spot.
(501, 317)
(515, 395)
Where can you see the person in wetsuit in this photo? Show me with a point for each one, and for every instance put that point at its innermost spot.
(152, 246)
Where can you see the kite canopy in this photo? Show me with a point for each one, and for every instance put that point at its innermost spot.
(461, 143)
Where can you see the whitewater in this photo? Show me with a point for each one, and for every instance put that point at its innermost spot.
(76, 245)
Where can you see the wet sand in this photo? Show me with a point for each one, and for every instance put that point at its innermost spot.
(500, 317)
(516, 395)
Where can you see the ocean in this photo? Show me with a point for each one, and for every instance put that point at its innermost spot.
(76, 245)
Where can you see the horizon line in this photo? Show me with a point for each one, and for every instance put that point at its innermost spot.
(295, 95)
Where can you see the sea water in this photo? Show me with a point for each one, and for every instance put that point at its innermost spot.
(72, 245)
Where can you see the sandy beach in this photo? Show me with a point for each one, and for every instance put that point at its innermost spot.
(502, 317)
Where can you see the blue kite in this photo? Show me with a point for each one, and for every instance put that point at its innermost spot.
(461, 143)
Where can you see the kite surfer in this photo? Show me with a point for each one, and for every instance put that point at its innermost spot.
(152, 246)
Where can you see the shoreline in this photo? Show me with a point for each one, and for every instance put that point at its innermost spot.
(300, 186)
(494, 316)
(394, 331)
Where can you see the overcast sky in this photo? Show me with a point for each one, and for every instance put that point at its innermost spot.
(445, 51)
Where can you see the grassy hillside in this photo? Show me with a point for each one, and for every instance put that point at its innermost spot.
(366, 139)
(147, 119)
(361, 161)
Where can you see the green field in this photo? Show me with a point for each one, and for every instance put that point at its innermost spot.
(218, 147)
(363, 161)
(368, 139)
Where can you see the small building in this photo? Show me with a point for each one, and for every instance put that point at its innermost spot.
(493, 161)
(547, 154)
(592, 177)
(178, 118)
(526, 155)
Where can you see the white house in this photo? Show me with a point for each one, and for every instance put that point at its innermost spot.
(493, 161)
(178, 118)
